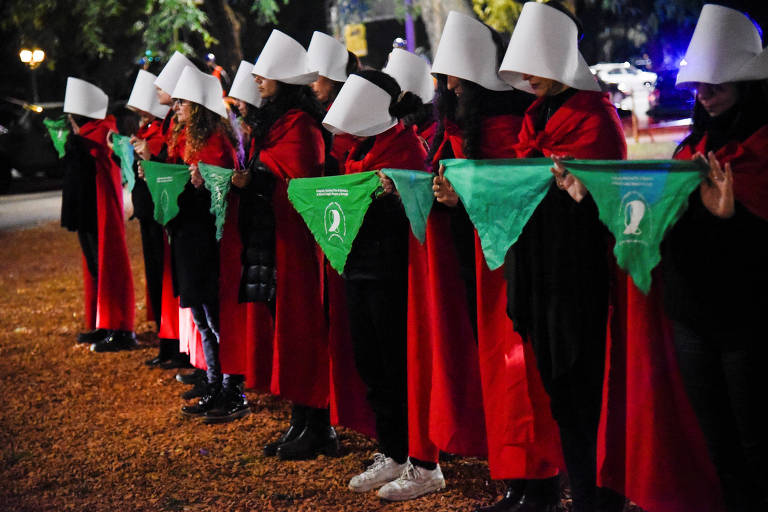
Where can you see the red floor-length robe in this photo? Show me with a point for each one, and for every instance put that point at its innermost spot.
(294, 148)
(109, 300)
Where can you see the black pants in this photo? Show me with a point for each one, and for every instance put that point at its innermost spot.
(378, 324)
(576, 400)
(152, 234)
(89, 243)
(722, 377)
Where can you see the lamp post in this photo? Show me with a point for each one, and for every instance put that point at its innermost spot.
(32, 58)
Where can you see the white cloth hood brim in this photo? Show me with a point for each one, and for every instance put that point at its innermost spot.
(412, 74)
(85, 99)
(361, 108)
(545, 43)
(170, 74)
(244, 87)
(466, 50)
(201, 88)
(328, 57)
(725, 47)
(144, 96)
(285, 60)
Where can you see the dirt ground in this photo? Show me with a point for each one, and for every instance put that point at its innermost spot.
(101, 432)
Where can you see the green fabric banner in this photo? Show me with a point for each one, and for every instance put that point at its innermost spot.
(165, 183)
(415, 189)
(333, 208)
(217, 181)
(500, 197)
(58, 129)
(122, 147)
(639, 201)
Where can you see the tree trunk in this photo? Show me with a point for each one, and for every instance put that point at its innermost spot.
(434, 13)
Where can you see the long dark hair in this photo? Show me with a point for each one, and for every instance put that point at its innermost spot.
(475, 103)
(743, 119)
(288, 97)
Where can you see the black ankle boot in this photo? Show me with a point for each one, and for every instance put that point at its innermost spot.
(92, 336)
(116, 341)
(298, 422)
(232, 406)
(194, 378)
(207, 402)
(164, 353)
(317, 437)
(541, 495)
(510, 500)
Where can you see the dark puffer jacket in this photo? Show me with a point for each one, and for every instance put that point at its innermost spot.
(257, 231)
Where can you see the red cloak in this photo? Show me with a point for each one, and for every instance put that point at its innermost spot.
(218, 150)
(523, 440)
(657, 417)
(152, 132)
(397, 148)
(109, 300)
(294, 148)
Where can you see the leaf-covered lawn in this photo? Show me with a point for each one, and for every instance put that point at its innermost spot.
(101, 432)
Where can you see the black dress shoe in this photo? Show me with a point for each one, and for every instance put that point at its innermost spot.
(537, 504)
(192, 378)
(508, 503)
(154, 362)
(179, 361)
(232, 406)
(116, 341)
(270, 450)
(207, 402)
(92, 336)
(310, 443)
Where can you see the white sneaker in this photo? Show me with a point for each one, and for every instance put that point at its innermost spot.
(413, 482)
(384, 469)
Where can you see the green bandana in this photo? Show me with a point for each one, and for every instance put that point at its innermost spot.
(58, 129)
(165, 183)
(122, 147)
(217, 181)
(334, 208)
(500, 197)
(639, 201)
(415, 189)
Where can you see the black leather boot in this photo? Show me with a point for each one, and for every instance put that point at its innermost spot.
(509, 501)
(177, 361)
(116, 341)
(232, 406)
(207, 402)
(164, 353)
(194, 378)
(541, 495)
(316, 438)
(92, 336)
(298, 422)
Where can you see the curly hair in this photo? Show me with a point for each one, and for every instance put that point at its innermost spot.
(202, 123)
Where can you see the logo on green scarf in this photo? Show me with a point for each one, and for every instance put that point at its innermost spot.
(335, 221)
(638, 222)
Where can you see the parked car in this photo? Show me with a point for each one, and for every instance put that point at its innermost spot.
(626, 76)
(26, 150)
(667, 101)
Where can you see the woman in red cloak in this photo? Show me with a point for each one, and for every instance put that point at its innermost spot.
(481, 117)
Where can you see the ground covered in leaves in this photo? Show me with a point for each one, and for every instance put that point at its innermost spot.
(101, 432)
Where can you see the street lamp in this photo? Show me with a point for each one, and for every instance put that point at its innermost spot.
(32, 58)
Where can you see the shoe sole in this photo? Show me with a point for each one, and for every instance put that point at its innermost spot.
(214, 420)
(436, 486)
(369, 487)
(94, 348)
(316, 453)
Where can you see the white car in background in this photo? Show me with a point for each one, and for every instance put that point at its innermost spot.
(627, 78)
